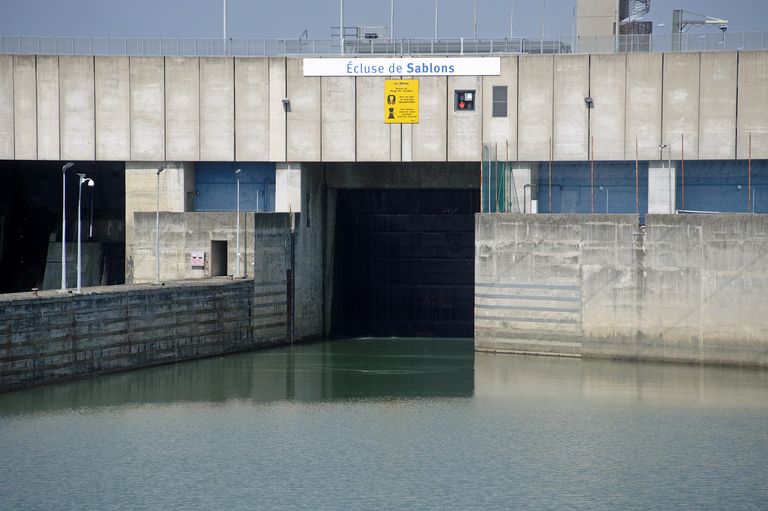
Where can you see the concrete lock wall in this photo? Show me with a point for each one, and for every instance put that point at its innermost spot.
(51, 338)
(689, 288)
(703, 105)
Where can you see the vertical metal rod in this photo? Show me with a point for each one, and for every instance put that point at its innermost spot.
(237, 228)
(392, 19)
(749, 173)
(592, 175)
(682, 171)
(550, 175)
(157, 228)
(79, 233)
(436, 19)
(511, 18)
(64, 228)
(474, 19)
(341, 25)
(637, 179)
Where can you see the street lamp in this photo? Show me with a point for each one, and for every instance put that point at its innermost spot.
(64, 224)
(237, 228)
(157, 227)
(90, 183)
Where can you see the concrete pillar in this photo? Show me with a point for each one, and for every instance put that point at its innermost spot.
(521, 188)
(177, 191)
(661, 187)
(288, 187)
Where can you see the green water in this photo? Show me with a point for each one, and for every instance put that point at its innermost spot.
(390, 424)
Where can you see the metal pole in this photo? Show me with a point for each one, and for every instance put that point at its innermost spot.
(341, 25)
(225, 26)
(749, 174)
(435, 19)
(64, 225)
(237, 227)
(511, 18)
(682, 170)
(89, 181)
(669, 176)
(550, 175)
(592, 176)
(157, 229)
(637, 179)
(392, 19)
(474, 19)
(79, 232)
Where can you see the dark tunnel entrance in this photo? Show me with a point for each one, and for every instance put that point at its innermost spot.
(404, 263)
(30, 224)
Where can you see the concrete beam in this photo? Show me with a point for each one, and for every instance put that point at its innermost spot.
(113, 108)
(47, 108)
(182, 108)
(571, 115)
(373, 135)
(681, 104)
(217, 109)
(536, 82)
(25, 107)
(717, 106)
(303, 134)
(753, 105)
(428, 137)
(6, 107)
(643, 105)
(338, 118)
(147, 92)
(502, 130)
(252, 107)
(607, 80)
(277, 111)
(77, 108)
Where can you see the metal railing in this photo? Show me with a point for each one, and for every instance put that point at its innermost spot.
(162, 46)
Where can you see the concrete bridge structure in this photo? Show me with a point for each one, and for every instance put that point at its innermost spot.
(374, 196)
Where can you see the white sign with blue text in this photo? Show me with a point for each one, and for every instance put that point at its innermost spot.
(395, 66)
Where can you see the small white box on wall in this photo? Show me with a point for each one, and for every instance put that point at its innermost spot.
(197, 259)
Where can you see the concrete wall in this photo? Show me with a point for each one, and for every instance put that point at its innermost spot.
(570, 131)
(113, 105)
(77, 108)
(47, 108)
(225, 109)
(52, 337)
(689, 288)
(608, 83)
(24, 107)
(147, 89)
(535, 108)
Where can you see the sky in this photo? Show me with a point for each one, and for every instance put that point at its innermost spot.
(288, 18)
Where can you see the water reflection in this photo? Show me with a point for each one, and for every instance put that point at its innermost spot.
(514, 376)
(345, 369)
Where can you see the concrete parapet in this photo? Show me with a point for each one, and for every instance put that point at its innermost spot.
(53, 337)
(687, 288)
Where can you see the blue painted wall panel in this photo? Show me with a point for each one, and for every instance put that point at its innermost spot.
(215, 186)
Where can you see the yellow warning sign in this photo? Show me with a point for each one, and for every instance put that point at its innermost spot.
(401, 101)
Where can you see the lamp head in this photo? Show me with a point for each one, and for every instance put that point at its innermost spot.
(160, 169)
(238, 171)
(66, 166)
(90, 182)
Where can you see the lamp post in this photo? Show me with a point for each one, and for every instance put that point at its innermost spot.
(64, 224)
(157, 227)
(237, 228)
(90, 183)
